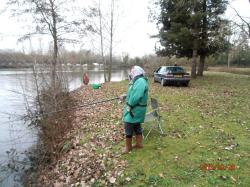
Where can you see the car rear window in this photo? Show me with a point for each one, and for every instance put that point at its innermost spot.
(176, 69)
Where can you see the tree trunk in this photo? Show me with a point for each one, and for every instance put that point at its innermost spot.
(111, 41)
(201, 65)
(228, 60)
(194, 58)
(55, 55)
(55, 47)
(204, 39)
(101, 37)
(54, 63)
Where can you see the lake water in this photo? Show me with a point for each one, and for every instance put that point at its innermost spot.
(15, 136)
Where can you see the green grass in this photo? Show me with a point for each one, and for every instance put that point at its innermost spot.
(235, 70)
(199, 122)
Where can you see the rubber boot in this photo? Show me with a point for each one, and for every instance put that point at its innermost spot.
(138, 142)
(128, 146)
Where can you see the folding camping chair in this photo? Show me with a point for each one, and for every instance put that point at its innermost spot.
(155, 117)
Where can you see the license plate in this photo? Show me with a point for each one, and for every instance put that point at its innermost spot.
(178, 75)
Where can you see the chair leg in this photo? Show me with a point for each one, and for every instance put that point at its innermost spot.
(159, 126)
(149, 132)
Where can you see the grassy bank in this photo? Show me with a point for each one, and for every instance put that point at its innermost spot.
(242, 71)
(206, 123)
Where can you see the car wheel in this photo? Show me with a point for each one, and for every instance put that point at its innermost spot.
(163, 82)
(155, 79)
(185, 84)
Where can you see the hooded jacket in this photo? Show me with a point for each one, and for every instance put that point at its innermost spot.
(137, 96)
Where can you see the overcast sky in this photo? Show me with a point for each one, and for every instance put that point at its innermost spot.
(133, 28)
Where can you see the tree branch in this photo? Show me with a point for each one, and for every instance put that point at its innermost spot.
(243, 20)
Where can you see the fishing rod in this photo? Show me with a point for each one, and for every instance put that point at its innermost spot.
(87, 104)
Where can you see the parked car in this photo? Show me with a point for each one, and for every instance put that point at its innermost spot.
(171, 75)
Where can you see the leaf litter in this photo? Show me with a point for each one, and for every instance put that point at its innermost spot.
(89, 158)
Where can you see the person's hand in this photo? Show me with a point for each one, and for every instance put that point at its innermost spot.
(129, 109)
(122, 97)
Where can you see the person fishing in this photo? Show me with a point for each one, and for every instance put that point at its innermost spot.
(135, 108)
(85, 78)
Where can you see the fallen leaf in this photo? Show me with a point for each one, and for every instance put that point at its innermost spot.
(128, 179)
(233, 178)
(223, 177)
(112, 180)
(231, 146)
(161, 175)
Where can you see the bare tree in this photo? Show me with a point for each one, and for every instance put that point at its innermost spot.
(238, 31)
(104, 27)
(51, 17)
(59, 20)
(245, 23)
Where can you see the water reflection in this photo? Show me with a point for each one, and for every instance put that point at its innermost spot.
(75, 78)
(15, 137)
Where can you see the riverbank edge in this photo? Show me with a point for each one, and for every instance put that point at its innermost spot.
(87, 144)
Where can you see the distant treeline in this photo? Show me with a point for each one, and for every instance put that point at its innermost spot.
(12, 59)
(239, 57)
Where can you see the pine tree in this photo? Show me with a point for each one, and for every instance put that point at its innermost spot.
(213, 30)
(189, 28)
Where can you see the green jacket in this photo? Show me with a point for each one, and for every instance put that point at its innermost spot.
(136, 101)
